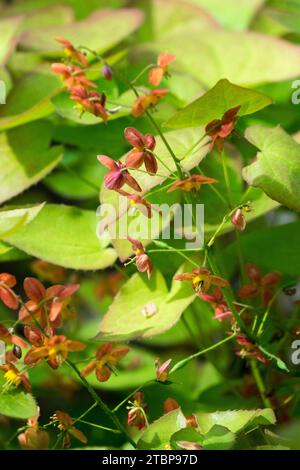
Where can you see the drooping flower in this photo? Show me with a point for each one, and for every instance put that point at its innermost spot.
(137, 412)
(72, 76)
(118, 174)
(7, 295)
(13, 377)
(71, 52)
(249, 350)
(138, 202)
(34, 438)
(143, 146)
(65, 423)
(8, 337)
(107, 72)
(48, 271)
(162, 370)
(46, 304)
(194, 182)
(219, 304)
(156, 74)
(220, 129)
(90, 101)
(142, 103)
(107, 356)
(238, 220)
(201, 279)
(260, 286)
(54, 350)
(143, 262)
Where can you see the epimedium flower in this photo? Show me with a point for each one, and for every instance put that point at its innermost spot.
(71, 52)
(194, 182)
(72, 76)
(65, 423)
(8, 337)
(202, 279)
(162, 370)
(54, 350)
(142, 260)
(48, 271)
(143, 102)
(34, 438)
(260, 286)
(90, 101)
(220, 129)
(143, 146)
(107, 356)
(13, 377)
(249, 350)
(45, 305)
(7, 295)
(157, 73)
(118, 174)
(137, 201)
(219, 304)
(137, 412)
(170, 405)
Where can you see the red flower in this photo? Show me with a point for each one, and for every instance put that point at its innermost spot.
(142, 103)
(238, 220)
(170, 405)
(10, 338)
(90, 101)
(13, 377)
(222, 311)
(7, 295)
(249, 350)
(220, 129)
(107, 356)
(65, 423)
(46, 304)
(201, 279)
(136, 200)
(194, 182)
(143, 145)
(54, 350)
(72, 76)
(162, 370)
(118, 174)
(137, 412)
(260, 286)
(71, 52)
(143, 262)
(48, 271)
(156, 74)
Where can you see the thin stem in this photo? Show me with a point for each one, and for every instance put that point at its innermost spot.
(148, 67)
(130, 395)
(98, 426)
(226, 178)
(86, 412)
(260, 384)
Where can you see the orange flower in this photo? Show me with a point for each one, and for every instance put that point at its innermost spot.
(9, 338)
(7, 295)
(34, 438)
(13, 377)
(249, 350)
(143, 262)
(48, 271)
(194, 182)
(220, 129)
(260, 286)
(143, 145)
(65, 423)
(142, 103)
(90, 101)
(46, 304)
(156, 74)
(201, 279)
(216, 299)
(107, 356)
(71, 52)
(54, 350)
(72, 76)
(137, 411)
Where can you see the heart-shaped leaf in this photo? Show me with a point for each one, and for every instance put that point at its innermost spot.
(235, 420)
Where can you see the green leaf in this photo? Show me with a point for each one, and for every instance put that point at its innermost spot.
(279, 362)
(217, 438)
(16, 403)
(12, 220)
(158, 434)
(101, 31)
(25, 157)
(8, 30)
(71, 239)
(277, 168)
(125, 318)
(29, 100)
(235, 420)
(214, 103)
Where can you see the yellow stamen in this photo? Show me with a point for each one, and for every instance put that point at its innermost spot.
(12, 378)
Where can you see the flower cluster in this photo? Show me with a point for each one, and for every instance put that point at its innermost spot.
(261, 287)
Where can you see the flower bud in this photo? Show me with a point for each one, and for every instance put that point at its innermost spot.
(238, 220)
(107, 72)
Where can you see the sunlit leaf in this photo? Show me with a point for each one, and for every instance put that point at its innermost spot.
(16, 403)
